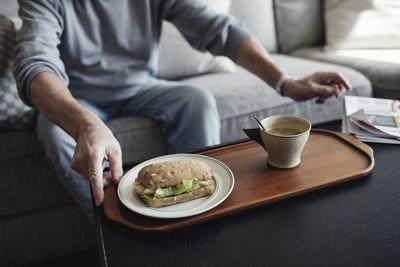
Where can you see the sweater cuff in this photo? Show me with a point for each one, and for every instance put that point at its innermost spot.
(24, 90)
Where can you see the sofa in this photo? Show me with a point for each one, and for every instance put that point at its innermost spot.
(39, 220)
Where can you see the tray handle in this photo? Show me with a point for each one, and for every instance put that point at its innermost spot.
(354, 142)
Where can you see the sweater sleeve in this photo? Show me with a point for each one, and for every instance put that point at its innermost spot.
(204, 29)
(37, 44)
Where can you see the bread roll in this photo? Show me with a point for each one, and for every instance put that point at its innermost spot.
(171, 173)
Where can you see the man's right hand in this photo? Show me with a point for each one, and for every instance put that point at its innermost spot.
(95, 141)
(95, 145)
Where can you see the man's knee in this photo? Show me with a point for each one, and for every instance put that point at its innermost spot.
(202, 108)
(199, 99)
(197, 107)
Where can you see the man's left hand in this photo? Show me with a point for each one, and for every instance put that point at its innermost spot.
(321, 85)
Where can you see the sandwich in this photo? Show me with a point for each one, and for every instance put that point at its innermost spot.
(171, 182)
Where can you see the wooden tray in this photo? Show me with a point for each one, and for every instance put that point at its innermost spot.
(328, 158)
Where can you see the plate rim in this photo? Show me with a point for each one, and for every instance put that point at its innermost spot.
(172, 214)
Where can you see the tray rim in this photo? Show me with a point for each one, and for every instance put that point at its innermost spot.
(183, 222)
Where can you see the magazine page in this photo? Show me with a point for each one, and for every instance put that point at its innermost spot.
(383, 114)
(360, 119)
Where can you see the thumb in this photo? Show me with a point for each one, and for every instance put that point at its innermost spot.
(95, 178)
(323, 92)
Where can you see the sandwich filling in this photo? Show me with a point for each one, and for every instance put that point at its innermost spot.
(187, 185)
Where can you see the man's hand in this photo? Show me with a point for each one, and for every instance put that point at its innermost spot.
(95, 145)
(95, 142)
(322, 85)
(253, 56)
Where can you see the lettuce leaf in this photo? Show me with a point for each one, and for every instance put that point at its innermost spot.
(186, 186)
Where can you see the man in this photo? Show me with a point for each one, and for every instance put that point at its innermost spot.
(81, 63)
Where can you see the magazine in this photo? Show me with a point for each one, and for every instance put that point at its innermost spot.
(370, 119)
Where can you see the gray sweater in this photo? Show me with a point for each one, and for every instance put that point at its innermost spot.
(108, 49)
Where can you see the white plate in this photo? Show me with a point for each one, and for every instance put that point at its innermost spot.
(224, 185)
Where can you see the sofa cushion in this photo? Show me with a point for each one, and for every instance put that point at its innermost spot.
(382, 67)
(9, 8)
(18, 144)
(140, 138)
(258, 17)
(29, 184)
(175, 51)
(28, 181)
(43, 235)
(298, 23)
(238, 101)
(355, 24)
(14, 114)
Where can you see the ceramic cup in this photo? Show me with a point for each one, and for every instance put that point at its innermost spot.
(284, 139)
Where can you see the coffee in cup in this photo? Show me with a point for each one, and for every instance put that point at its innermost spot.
(284, 139)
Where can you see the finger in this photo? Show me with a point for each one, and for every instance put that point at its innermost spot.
(115, 159)
(78, 163)
(344, 81)
(324, 92)
(106, 182)
(320, 100)
(95, 177)
(107, 178)
(338, 78)
(339, 89)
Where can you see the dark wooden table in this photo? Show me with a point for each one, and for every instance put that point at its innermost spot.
(351, 224)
